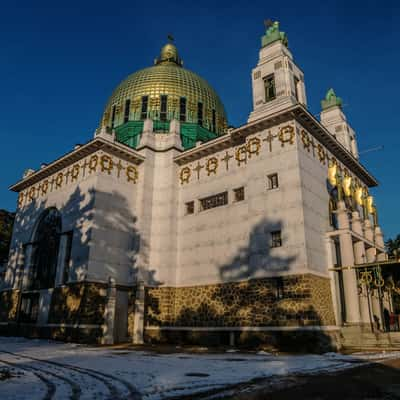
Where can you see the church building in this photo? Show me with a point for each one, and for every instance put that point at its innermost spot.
(169, 226)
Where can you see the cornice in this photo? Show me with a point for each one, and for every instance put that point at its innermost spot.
(98, 143)
(303, 117)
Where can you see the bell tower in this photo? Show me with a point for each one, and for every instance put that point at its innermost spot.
(334, 119)
(277, 81)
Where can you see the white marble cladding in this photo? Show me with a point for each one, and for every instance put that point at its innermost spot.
(232, 242)
(96, 199)
(130, 223)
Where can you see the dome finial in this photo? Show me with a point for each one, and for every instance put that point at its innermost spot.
(169, 54)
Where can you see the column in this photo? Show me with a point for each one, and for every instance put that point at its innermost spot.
(61, 260)
(27, 267)
(369, 235)
(360, 258)
(379, 242)
(109, 313)
(139, 314)
(334, 282)
(349, 274)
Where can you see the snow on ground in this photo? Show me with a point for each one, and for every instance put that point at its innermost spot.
(65, 370)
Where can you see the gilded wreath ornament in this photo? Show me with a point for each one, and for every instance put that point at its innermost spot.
(241, 155)
(254, 146)
(132, 173)
(106, 163)
(212, 166)
(286, 135)
(185, 175)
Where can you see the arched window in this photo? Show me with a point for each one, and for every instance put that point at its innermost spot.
(45, 247)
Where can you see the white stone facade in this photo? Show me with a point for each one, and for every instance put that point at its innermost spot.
(130, 210)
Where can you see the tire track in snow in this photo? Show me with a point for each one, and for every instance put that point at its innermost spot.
(74, 387)
(51, 388)
(115, 393)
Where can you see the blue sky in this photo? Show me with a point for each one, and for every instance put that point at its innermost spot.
(60, 61)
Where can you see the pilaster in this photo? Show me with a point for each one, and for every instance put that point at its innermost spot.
(109, 313)
(349, 274)
(139, 314)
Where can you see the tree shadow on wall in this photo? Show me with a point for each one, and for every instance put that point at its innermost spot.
(104, 232)
(249, 298)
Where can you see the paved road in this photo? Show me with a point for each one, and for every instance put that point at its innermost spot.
(372, 382)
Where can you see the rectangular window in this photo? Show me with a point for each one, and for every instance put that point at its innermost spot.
(182, 109)
(145, 103)
(273, 182)
(279, 288)
(276, 239)
(127, 110)
(296, 88)
(189, 207)
(269, 85)
(163, 108)
(217, 200)
(214, 121)
(113, 116)
(239, 193)
(200, 114)
(67, 258)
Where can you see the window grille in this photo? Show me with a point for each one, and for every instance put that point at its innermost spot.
(182, 109)
(127, 109)
(269, 84)
(276, 239)
(145, 103)
(273, 182)
(200, 114)
(163, 108)
(216, 200)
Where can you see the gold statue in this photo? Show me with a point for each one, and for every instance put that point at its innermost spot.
(332, 172)
(347, 185)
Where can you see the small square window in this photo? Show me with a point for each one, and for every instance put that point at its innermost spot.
(273, 182)
(239, 194)
(189, 207)
(276, 239)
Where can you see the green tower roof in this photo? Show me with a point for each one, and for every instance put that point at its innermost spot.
(331, 100)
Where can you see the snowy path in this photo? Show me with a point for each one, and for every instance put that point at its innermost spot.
(51, 370)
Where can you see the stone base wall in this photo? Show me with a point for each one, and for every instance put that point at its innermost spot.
(67, 334)
(297, 341)
(76, 314)
(295, 300)
(78, 303)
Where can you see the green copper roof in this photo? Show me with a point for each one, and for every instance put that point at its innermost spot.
(331, 100)
(191, 133)
(272, 34)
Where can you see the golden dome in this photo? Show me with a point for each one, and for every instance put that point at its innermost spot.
(166, 78)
